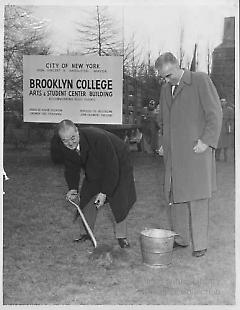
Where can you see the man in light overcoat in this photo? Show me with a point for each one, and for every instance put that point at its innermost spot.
(190, 120)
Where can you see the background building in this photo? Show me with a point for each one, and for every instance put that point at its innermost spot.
(223, 63)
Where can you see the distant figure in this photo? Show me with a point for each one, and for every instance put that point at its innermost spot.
(150, 130)
(227, 132)
(153, 125)
(105, 160)
(190, 120)
(19, 131)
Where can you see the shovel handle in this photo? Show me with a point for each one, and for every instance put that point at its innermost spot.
(85, 223)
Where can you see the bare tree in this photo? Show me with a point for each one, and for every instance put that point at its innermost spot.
(181, 50)
(99, 34)
(209, 59)
(188, 62)
(194, 62)
(23, 35)
(134, 58)
(103, 36)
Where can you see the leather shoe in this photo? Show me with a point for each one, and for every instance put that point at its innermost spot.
(199, 253)
(177, 245)
(124, 243)
(83, 238)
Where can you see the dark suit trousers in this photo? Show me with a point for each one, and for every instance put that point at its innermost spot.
(190, 221)
(90, 213)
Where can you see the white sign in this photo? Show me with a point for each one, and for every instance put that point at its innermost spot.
(84, 89)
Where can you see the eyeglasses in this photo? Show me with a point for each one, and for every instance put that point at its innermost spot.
(167, 76)
(163, 78)
(72, 139)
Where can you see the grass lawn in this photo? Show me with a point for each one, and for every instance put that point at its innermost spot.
(43, 266)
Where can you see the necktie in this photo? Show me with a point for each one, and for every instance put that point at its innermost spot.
(78, 151)
(175, 89)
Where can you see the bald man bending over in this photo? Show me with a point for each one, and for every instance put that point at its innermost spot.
(105, 160)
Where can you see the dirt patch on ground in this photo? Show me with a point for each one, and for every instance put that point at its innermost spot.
(113, 257)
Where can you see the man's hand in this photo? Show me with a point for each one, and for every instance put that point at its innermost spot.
(72, 194)
(100, 199)
(200, 147)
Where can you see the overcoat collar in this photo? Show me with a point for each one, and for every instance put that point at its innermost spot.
(186, 79)
(84, 146)
(168, 94)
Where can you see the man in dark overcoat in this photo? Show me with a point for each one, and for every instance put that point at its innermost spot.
(106, 162)
(190, 120)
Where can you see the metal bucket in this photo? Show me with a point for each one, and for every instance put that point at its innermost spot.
(157, 247)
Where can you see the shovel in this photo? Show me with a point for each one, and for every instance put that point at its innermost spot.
(85, 223)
